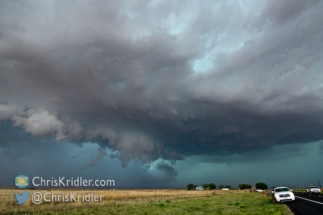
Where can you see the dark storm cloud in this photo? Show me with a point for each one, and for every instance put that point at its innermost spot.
(282, 11)
(169, 172)
(125, 74)
(21, 153)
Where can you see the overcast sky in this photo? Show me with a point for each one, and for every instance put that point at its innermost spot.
(162, 93)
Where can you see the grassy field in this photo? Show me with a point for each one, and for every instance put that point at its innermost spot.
(150, 202)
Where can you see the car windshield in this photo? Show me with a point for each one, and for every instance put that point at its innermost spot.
(313, 187)
(283, 189)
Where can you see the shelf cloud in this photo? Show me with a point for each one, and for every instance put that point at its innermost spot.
(150, 80)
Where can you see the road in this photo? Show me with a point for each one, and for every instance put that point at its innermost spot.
(307, 204)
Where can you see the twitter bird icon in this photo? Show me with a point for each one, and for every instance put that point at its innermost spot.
(21, 198)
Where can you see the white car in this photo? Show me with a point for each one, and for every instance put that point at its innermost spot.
(313, 190)
(283, 194)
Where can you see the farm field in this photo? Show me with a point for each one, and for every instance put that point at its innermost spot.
(149, 202)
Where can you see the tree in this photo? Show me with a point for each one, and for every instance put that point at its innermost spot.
(212, 186)
(261, 185)
(244, 186)
(247, 186)
(221, 186)
(228, 186)
(190, 186)
(205, 186)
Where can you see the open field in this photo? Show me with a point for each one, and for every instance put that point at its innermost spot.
(148, 202)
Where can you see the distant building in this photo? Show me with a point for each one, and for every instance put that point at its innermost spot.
(199, 188)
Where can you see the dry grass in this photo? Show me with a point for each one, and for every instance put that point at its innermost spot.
(8, 201)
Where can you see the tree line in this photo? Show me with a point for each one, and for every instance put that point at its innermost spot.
(212, 186)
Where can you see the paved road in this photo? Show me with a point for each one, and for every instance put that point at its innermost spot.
(307, 204)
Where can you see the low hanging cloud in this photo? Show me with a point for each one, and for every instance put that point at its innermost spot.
(94, 160)
(40, 123)
(168, 172)
(9, 111)
(37, 122)
(156, 80)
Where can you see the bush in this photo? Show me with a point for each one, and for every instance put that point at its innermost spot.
(242, 205)
(161, 205)
(261, 185)
(228, 186)
(221, 186)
